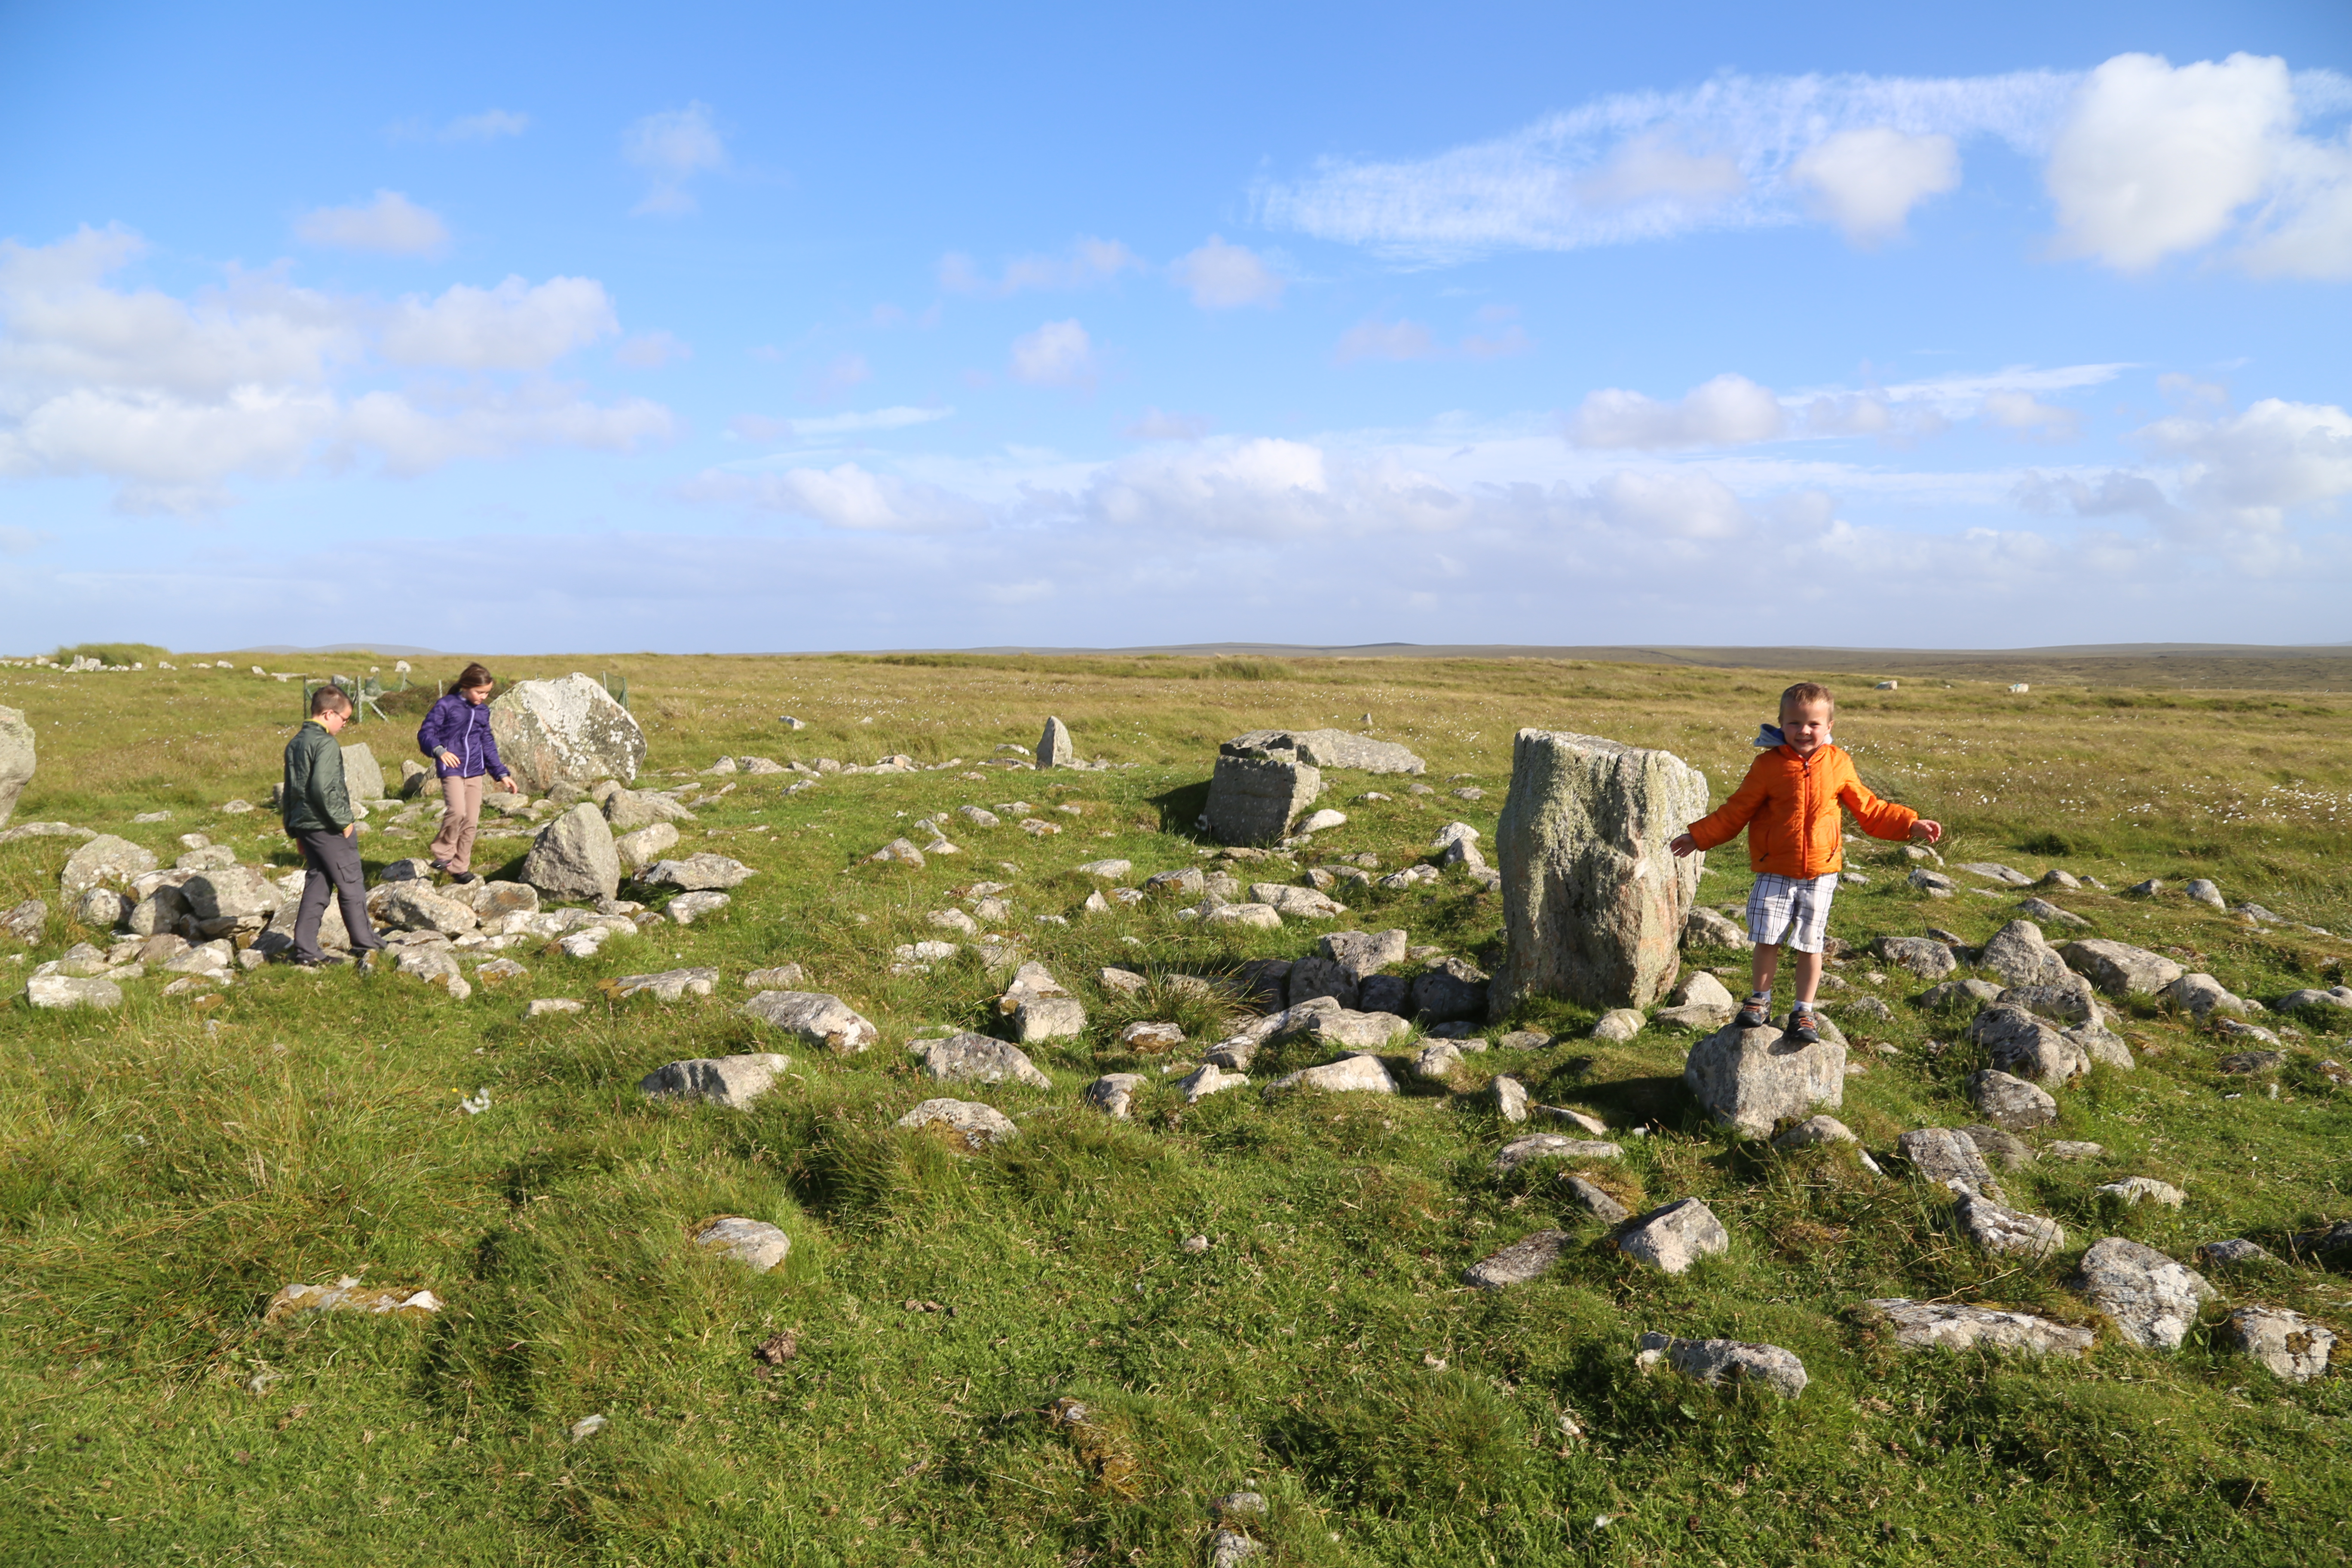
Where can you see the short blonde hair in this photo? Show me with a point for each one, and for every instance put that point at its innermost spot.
(1804, 694)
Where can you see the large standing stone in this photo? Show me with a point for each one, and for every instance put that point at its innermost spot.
(1252, 799)
(1594, 901)
(1714, 1362)
(573, 856)
(1674, 1237)
(363, 774)
(1326, 748)
(105, 861)
(16, 759)
(2152, 1298)
(1749, 1079)
(968, 1057)
(2290, 1345)
(1939, 1325)
(819, 1019)
(723, 1081)
(565, 731)
(2021, 956)
(2118, 968)
(1055, 748)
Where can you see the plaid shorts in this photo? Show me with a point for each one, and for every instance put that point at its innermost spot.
(1786, 910)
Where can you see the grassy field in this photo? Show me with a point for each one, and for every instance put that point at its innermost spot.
(167, 1169)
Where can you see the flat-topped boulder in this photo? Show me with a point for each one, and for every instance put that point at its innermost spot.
(1326, 749)
(1945, 1325)
(1039, 1007)
(2118, 968)
(967, 1058)
(967, 1125)
(696, 873)
(1594, 902)
(816, 1016)
(1752, 1079)
(1715, 1362)
(105, 861)
(1254, 799)
(1529, 1257)
(735, 1080)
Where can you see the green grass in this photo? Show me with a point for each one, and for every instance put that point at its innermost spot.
(166, 1169)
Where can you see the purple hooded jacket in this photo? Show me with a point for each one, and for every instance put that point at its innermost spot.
(462, 729)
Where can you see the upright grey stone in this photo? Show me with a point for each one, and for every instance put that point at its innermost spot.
(1252, 799)
(574, 856)
(16, 759)
(565, 731)
(1751, 1080)
(1594, 901)
(363, 774)
(1054, 747)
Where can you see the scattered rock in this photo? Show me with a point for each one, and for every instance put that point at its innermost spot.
(1356, 1074)
(1674, 1237)
(104, 861)
(543, 1006)
(1252, 799)
(1207, 1080)
(1815, 1130)
(2118, 968)
(1934, 884)
(1998, 1229)
(1946, 1158)
(695, 873)
(967, 1058)
(1594, 901)
(1113, 1094)
(1552, 1146)
(2022, 1044)
(723, 1081)
(1326, 748)
(65, 991)
(1530, 1257)
(1149, 1037)
(754, 1243)
(2151, 1299)
(587, 1427)
(1749, 1079)
(1704, 927)
(688, 908)
(1592, 1200)
(348, 1295)
(1435, 1062)
(819, 1019)
(1996, 1144)
(2200, 996)
(1510, 1098)
(1619, 1025)
(2064, 1149)
(1922, 956)
(670, 986)
(1942, 1325)
(1039, 1007)
(2252, 1063)
(2237, 1250)
(970, 1125)
(1715, 1362)
(2289, 1344)
(2205, 891)
(898, 852)
(783, 977)
(2131, 1190)
(2008, 1102)
(573, 857)
(25, 922)
(1971, 993)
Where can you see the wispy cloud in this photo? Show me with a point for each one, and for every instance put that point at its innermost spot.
(391, 224)
(673, 146)
(489, 125)
(760, 428)
(1087, 262)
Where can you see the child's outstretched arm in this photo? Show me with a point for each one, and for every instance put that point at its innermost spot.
(1722, 824)
(1884, 818)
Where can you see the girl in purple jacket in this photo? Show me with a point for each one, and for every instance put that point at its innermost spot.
(457, 735)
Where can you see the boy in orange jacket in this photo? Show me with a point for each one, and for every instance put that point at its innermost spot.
(1788, 804)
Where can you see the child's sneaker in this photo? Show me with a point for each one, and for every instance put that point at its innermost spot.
(1800, 1025)
(1755, 1011)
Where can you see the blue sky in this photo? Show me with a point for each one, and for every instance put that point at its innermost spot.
(587, 328)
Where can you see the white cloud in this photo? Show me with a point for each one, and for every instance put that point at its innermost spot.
(487, 126)
(1672, 505)
(2155, 160)
(16, 540)
(1866, 182)
(2255, 467)
(1639, 166)
(652, 350)
(171, 398)
(515, 326)
(391, 224)
(1384, 341)
(1089, 262)
(840, 373)
(1223, 276)
(2026, 414)
(758, 428)
(1156, 425)
(844, 497)
(673, 146)
(1058, 353)
(1727, 411)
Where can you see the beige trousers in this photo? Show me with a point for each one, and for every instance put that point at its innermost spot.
(453, 845)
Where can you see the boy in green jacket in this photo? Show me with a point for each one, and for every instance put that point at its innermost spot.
(317, 813)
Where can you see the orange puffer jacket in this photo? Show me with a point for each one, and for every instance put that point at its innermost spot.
(1790, 803)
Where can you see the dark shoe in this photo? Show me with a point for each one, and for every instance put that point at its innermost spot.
(441, 865)
(463, 877)
(324, 961)
(1754, 1012)
(1801, 1029)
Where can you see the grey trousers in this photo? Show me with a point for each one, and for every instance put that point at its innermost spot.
(333, 861)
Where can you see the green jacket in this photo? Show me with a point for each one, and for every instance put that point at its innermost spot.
(314, 799)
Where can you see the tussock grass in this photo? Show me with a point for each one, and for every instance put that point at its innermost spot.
(163, 1170)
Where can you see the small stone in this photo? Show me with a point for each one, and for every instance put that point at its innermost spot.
(2065, 1150)
(2237, 1250)
(65, 991)
(2289, 1344)
(783, 977)
(1552, 1146)
(1815, 1130)
(1354, 1074)
(1435, 1062)
(1196, 1244)
(543, 1006)
(348, 1295)
(1592, 1200)
(670, 986)
(1940, 1325)
(1674, 1237)
(1928, 958)
(1207, 1080)
(1510, 1098)
(755, 1244)
(1240, 1505)
(723, 1081)
(1113, 1094)
(2132, 1190)
(1230, 1549)
(1528, 1259)
(1575, 1119)
(967, 1058)
(817, 1017)
(587, 1427)
(970, 1125)
(2011, 1102)
(1997, 1143)
(1999, 1229)
(1715, 1362)
(2151, 1299)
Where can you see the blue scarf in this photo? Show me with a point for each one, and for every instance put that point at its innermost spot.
(1769, 736)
